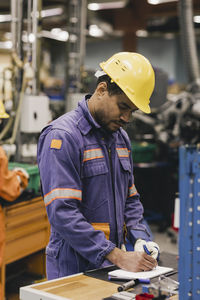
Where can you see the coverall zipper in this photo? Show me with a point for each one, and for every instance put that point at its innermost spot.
(112, 181)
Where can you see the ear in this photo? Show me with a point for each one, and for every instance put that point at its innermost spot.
(101, 88)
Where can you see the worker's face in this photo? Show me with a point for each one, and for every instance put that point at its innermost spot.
(112, 112)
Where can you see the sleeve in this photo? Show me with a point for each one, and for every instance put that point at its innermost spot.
(10, 181)
(2, 235)
(60, 168)
(134, 220)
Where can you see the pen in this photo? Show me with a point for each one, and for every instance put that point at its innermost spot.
(146, 250)
(126, 286)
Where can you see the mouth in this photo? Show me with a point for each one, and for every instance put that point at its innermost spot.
(118, 124)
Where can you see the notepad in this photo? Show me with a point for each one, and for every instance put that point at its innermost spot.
(122, 274)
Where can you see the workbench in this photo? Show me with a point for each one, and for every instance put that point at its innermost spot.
(91, 285)
(27, 231)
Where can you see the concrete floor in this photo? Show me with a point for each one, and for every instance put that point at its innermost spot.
(167, 241)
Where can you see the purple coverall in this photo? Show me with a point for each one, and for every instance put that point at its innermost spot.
(89, 193)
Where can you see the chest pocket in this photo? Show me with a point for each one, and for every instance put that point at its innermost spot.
(93, 162)
(94, 168)
(125, 163)
(123, 155)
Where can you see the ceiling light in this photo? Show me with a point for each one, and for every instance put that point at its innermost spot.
(107, 5)
(93, 6)
(60, 34)
(141, 33)
(5, 18)
(51, 12)
(6, 45)
(197, 19)
(155, 2)
(44, 14)
(31, 37)
(55, 34)
(95, 31)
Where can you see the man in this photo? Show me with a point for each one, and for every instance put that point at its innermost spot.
(87, 179)
(12, 184)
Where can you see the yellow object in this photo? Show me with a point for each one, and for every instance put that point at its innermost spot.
(56, 144)
(133, 73)
(3, 113)
(105, 227)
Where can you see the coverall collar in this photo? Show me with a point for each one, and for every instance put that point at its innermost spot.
(87, 123)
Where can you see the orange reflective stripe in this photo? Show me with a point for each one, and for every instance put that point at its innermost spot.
(62, 193)
(92, 154)
(105, 227)
(123, 152)
(132, 191)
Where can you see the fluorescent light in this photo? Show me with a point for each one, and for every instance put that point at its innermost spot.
(95, 31)
(5, 18)
(60, 34)
(106, 5)
(6, 45)
(93, 6)
(56, 34)
(44, 14)
(51, 12)
(141, 33)
(196, 19)
(155, 2)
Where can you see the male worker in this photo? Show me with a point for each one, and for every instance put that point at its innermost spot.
(87, 178)
(12, 184)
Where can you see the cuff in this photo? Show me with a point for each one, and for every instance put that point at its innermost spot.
(101, 257)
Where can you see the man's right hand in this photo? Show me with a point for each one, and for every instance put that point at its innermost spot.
(133, 261)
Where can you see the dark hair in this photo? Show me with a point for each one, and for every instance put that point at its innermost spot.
(113, 88)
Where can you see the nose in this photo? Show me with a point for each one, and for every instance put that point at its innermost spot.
(125, 116)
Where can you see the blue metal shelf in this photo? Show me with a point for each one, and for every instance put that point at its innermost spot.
(189, 235)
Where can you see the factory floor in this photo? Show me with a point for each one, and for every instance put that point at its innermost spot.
(167, 240)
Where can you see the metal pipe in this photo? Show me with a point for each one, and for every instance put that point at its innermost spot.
(19, 28)
(13, 22)
(36, 48)
(188, 41)
(82, 31)
(29, 27)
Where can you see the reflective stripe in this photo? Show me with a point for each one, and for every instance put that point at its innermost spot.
(123, 152)
(62, 193)
(92, 154)
(132, 191)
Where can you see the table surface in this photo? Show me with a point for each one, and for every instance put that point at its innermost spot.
(166, 260)
(92, 284)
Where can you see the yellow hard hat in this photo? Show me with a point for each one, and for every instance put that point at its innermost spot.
(133, 73)
(3, 114)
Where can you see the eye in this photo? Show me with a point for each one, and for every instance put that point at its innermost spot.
(122, 107)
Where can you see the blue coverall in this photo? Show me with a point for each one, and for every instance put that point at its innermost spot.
(89, 192)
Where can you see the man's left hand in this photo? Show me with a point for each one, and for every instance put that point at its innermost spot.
(150, 248)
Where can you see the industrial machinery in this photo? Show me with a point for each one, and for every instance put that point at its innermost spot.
(29, 107)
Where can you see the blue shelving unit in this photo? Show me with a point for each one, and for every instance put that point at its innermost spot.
(189, 234)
